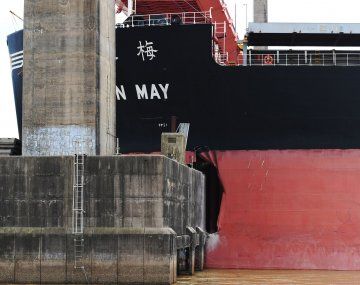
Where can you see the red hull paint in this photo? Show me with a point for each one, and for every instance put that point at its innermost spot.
(295, 209)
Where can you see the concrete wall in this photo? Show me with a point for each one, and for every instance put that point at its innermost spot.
(260, 11)
(111, 255)
(135, 207)
(120, 191)
(69, 77)
(144, 191)
(33, 191)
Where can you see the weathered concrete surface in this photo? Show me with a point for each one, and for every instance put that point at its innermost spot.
(33, 191)
(112, 255)
(136, 206)
(144, 191)
(69, 77)
(200, 250)
(260, 11)
(120, 191)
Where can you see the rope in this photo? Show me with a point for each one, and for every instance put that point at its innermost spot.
(192, 6)
(177, 4)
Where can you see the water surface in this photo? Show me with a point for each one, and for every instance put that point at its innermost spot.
(271, 277)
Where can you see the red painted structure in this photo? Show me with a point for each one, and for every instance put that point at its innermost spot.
(290, 209)
(221, 14)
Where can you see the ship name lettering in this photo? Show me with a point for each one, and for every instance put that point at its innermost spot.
(142, 92)
(120, 93)
(164, 89)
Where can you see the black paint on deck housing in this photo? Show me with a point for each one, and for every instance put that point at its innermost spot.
(231, 108)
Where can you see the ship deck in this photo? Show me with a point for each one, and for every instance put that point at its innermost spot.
(271, 277)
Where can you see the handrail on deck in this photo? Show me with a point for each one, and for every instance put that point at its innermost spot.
(185, 18)
(306, 58)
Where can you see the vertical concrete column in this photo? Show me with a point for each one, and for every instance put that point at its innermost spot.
(260, 11)
(260, 16)
(191, 258)
(69, 77)
(200, 250)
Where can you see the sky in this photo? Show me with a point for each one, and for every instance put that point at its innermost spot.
(315, 11)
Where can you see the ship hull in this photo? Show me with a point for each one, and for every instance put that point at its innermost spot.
(15, 46)
(287, 209)
(282, 142)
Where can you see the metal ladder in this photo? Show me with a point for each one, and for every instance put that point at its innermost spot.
(78, 211)
(219, 42)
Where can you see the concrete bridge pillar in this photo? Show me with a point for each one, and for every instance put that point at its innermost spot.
(69, 77)
(260, 11)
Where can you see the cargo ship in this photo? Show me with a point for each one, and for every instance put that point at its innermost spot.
(275, 131)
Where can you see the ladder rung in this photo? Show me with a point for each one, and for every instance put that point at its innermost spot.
(78, 205)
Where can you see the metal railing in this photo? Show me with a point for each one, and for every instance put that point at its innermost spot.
(306, 58)
(221, 58)
(185, 18)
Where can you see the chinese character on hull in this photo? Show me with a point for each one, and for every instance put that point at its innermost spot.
(147, 50)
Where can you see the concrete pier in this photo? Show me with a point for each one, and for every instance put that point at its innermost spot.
(139, 212)
(112, 255)
(69, 77)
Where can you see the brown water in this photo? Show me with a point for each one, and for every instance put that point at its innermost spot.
(272, 277)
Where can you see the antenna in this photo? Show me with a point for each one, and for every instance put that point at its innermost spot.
(21, 19)
(246, 16)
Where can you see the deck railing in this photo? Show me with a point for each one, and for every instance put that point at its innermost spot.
(306, 58)
(185, 18)
(221, 58)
